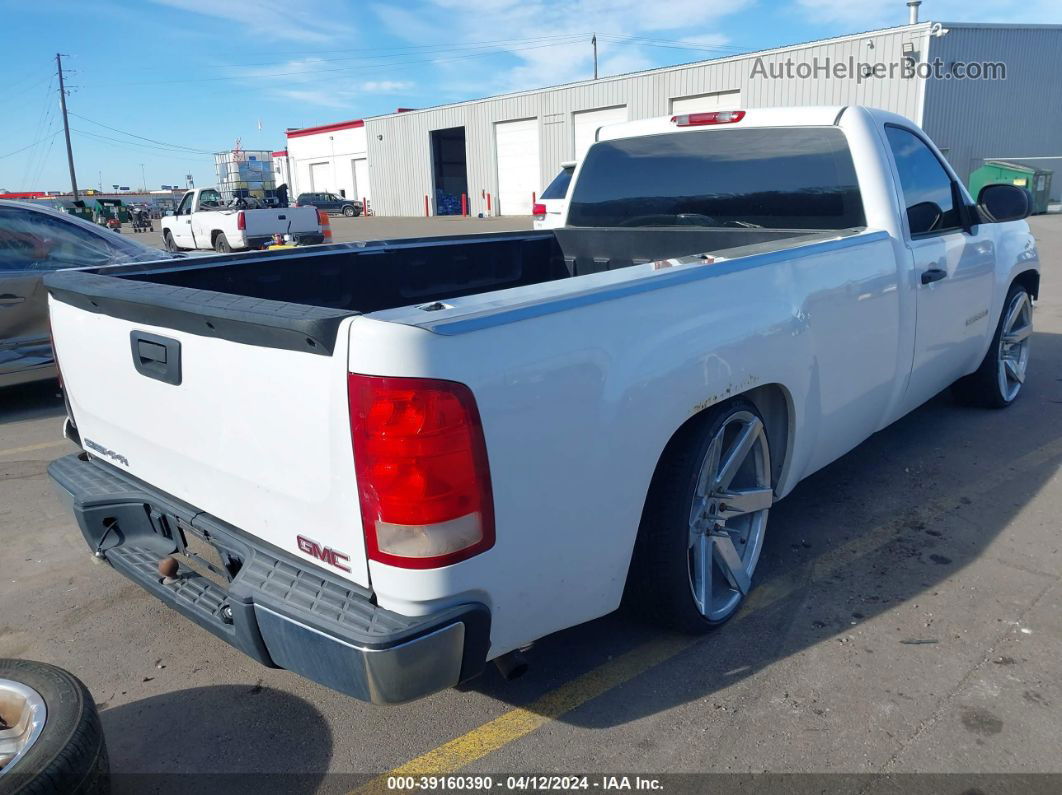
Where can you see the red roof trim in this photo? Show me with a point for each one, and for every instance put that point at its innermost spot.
(324, 128)
(281, 153)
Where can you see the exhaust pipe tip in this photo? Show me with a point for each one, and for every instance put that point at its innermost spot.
(512, 665)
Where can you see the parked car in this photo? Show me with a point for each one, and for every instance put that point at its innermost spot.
(548, 212)
(330, 203)
(34, 240)
(204, 221)
(407, 458)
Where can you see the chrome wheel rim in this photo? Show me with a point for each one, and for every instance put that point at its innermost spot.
(1013, 354)
(729, 515)
(23, 713)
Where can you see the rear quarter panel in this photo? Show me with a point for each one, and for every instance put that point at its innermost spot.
(577, 407)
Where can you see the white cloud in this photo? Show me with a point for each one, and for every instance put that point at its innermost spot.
(386, 86)
(310, 81)
(530, 33)
(279, 20)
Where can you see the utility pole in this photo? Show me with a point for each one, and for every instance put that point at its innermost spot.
(143, 179)
(594, 42)
(66, 125)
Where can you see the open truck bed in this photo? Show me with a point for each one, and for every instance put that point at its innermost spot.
(296, 300)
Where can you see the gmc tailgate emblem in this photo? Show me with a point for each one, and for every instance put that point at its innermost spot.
(324, 554)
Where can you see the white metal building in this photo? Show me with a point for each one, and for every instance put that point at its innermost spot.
(327, 159)
(505, 149)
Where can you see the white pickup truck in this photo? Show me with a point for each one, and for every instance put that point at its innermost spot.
(204, 221)
(383, 464)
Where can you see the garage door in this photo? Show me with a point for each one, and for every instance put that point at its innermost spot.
(516, 144)
(702, 103)
(360, 169)
(586, 123)
(320, 174)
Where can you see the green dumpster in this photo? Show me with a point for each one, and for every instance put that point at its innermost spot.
(1000, 172)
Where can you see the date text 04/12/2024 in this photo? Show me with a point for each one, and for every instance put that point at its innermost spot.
(531, 783)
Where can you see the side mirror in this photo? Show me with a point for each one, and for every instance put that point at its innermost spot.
(923, 217)
(999, 203)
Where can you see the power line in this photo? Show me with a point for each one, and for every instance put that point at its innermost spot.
(676, 45)
(144, 146)
(28, 146)
(141, 137)
(442, 45)
(308, 73)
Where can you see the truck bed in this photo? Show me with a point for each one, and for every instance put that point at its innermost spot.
(296, 299)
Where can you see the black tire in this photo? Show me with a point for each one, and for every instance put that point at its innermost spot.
(349, 211)
(70, 755)
(658, 588)
(168, 243)
(982, 387)
(221, 244)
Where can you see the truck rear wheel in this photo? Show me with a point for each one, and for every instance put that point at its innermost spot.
(704, 520)
(998, 381)
(52, 736)
(221, 244)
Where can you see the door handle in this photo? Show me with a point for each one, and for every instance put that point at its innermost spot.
(933, 275)
(7, 299)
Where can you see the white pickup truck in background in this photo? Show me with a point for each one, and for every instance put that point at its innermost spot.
(384, 464)
(204, 221)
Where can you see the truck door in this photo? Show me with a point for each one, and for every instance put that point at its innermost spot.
(182, 227)
(954, 269)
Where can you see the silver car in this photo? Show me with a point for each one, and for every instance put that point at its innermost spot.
(33, 241)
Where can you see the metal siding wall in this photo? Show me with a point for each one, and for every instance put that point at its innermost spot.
(400, 162)
(1019, 116)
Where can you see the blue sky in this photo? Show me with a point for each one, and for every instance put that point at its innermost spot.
(188, 77)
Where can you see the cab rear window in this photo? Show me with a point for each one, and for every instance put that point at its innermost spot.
(771, 178)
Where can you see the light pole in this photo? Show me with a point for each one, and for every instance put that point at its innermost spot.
(143, 180)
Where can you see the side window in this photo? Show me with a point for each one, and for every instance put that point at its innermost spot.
(926, 186)
(185, 206)
(209, 198)
(34, 242)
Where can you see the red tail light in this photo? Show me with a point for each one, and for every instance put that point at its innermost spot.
(539, 211)
(715, 117)
(423, 476)
(241, 220)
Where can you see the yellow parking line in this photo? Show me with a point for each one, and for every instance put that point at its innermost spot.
(29, 448)
(521, 721)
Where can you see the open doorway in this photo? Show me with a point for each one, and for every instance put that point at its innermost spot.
(449, 169)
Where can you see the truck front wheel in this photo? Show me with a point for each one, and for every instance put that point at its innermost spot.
(221, 244)
(704, 520)
(349, 211)
(168, 242)
(998, 381)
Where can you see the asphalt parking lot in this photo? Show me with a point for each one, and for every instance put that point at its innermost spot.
(907, 619)
(345, 230)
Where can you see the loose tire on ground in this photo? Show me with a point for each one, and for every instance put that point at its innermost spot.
(998, 380)
(70, 755)
(708, 501)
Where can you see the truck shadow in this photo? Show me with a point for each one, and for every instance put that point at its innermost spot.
(38, 400)
(907, 509)
(226, 738)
